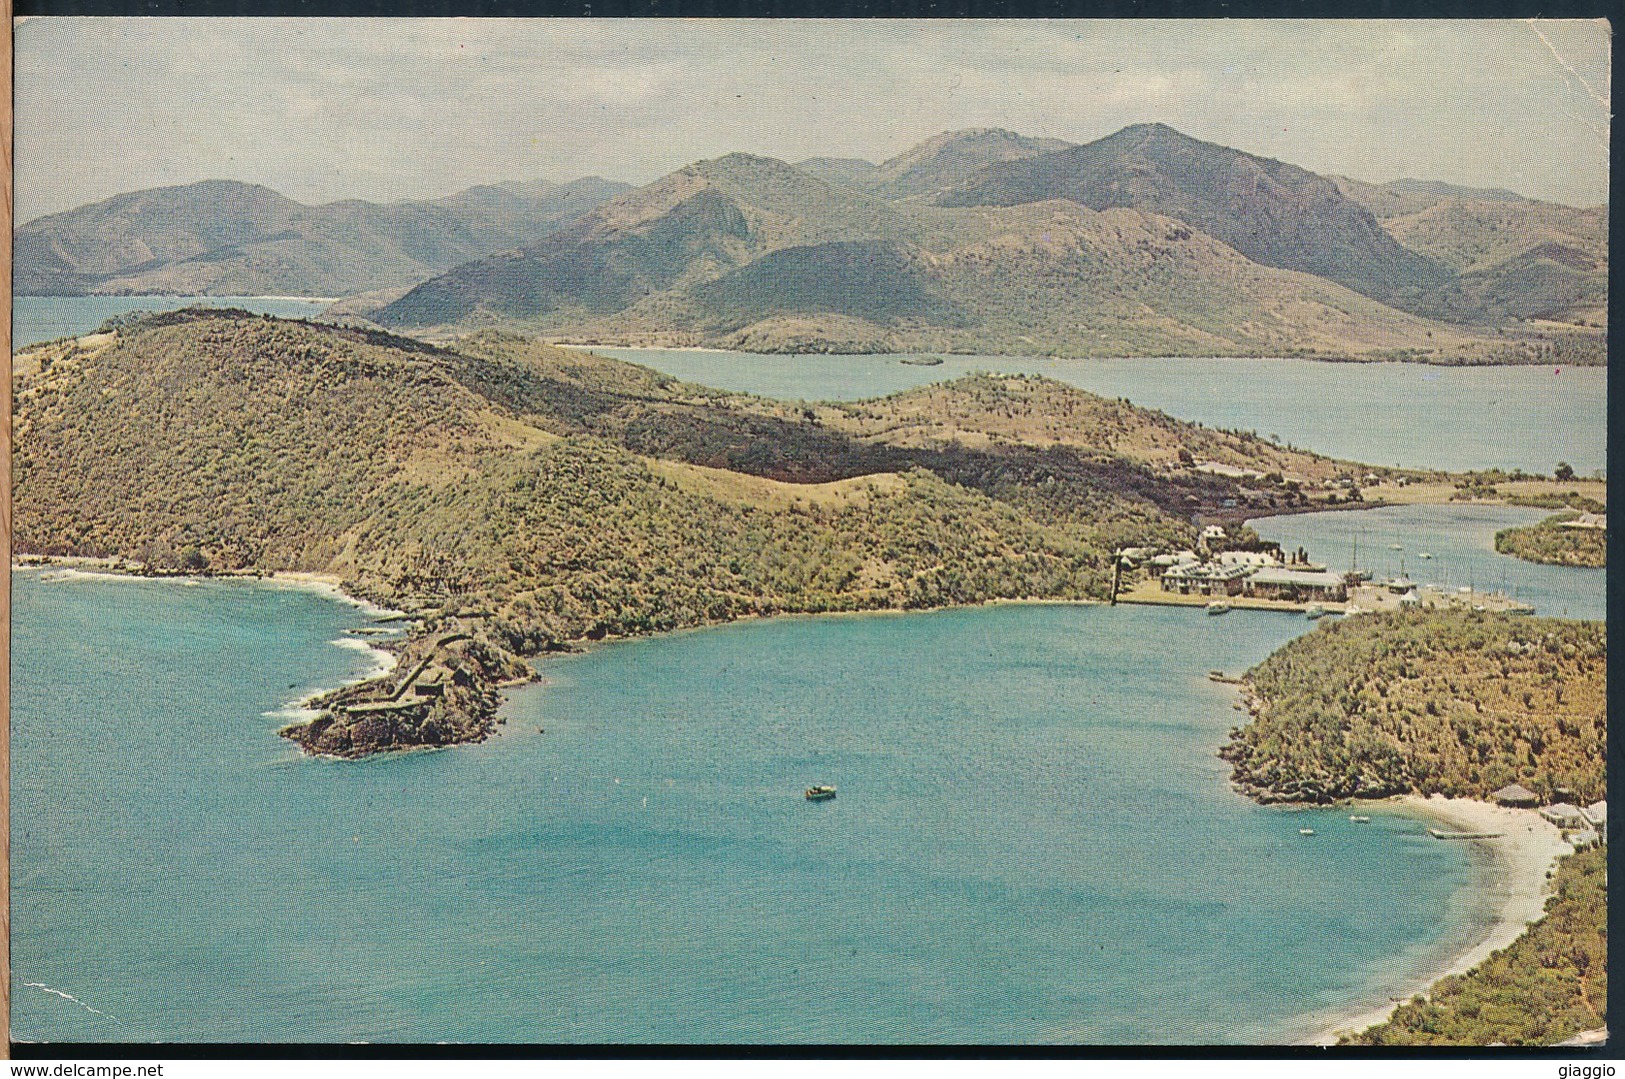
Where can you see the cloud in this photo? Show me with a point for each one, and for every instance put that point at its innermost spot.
(385, 109)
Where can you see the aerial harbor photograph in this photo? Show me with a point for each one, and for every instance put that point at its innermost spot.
(683, 533)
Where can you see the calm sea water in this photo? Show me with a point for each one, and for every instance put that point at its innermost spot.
(1387, 414)
(1461, 540)
(1033, 842)
(45, 318)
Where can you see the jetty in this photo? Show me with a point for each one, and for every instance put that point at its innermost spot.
(1439, 834)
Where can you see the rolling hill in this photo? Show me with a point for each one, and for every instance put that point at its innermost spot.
(530, 496)
(1518, 258)
(1273, 213)
(223, 238)
(746, 252)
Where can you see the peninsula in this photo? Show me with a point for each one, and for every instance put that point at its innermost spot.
(1478, 719)
(1565, 539)
(517, 499)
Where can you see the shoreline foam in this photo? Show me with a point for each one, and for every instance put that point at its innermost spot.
(322, 584)
(1528, 848)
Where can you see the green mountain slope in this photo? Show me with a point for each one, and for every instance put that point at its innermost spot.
(224, 238)
(930, 166)
(1273, 213)
(945, 160)
(1519, 259)
(751, 253)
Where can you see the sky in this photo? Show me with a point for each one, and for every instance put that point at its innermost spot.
(323, 109)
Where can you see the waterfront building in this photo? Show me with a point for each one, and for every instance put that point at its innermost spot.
(1565, 815)
(1280, 582)
(1205, 579)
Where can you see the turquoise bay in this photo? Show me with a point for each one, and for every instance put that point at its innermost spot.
(1034, 841)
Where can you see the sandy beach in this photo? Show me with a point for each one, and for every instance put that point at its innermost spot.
(1527, 849)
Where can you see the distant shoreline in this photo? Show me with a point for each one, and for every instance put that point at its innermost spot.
(567, 341)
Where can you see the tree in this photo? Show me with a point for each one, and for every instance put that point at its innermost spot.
(1564, 473)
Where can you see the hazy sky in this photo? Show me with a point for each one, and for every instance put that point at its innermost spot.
(389, 109)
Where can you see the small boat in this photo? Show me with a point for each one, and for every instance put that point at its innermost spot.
(1315, 611)
(820, 794)
(1218, 606)
(1306, 831)
(1396, 546)
(1358, 819)
(1424, 554)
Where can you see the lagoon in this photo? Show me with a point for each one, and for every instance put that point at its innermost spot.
(1455, 418)
(1033, 841)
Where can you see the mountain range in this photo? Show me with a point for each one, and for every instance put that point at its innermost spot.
(1146, 242)
(224, 238)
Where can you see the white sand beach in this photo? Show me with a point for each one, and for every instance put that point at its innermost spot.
(1526, 850)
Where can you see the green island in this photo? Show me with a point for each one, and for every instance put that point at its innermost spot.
(1565, 539)
(1550, 985)
(1462, 704)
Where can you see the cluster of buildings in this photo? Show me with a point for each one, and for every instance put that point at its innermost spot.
(1589, 824)
(1259, 574)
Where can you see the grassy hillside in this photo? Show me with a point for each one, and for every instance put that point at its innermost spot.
(530, 496)
(750, 253)
(1554, 545)
(224, 238)
(951, 158)
(1549, 985)
(1519, 259)
(1454, 703)
(1273, 213)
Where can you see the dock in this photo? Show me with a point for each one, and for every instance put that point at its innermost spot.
(1437, 834)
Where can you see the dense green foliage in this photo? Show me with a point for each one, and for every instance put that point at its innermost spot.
(1549, 542)
(573, 496)
(1449, 702)
(1548, 985)
(534, 496)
